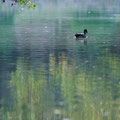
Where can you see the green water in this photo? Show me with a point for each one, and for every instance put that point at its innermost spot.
(45, 74)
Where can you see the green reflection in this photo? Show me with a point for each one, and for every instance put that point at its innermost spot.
(69, 91)
(89, 94)
(29, 95)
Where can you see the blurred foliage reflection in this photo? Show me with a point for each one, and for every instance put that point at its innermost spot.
(68, 91)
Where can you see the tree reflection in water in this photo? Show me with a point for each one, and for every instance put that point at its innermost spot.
(67, 92)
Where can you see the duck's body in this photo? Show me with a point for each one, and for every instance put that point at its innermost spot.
(81, 35)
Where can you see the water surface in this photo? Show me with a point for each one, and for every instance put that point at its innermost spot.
(45, 74)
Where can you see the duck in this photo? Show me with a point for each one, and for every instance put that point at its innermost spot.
(81, 35)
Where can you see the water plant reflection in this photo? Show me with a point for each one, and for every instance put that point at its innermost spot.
(68, 91)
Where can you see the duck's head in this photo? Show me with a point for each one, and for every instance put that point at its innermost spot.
(85, 31)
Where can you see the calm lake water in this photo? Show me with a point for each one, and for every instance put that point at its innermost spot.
(45, 74)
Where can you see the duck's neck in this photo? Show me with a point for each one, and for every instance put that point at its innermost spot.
(84, 33)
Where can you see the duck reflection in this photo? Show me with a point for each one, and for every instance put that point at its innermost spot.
(84, 41)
